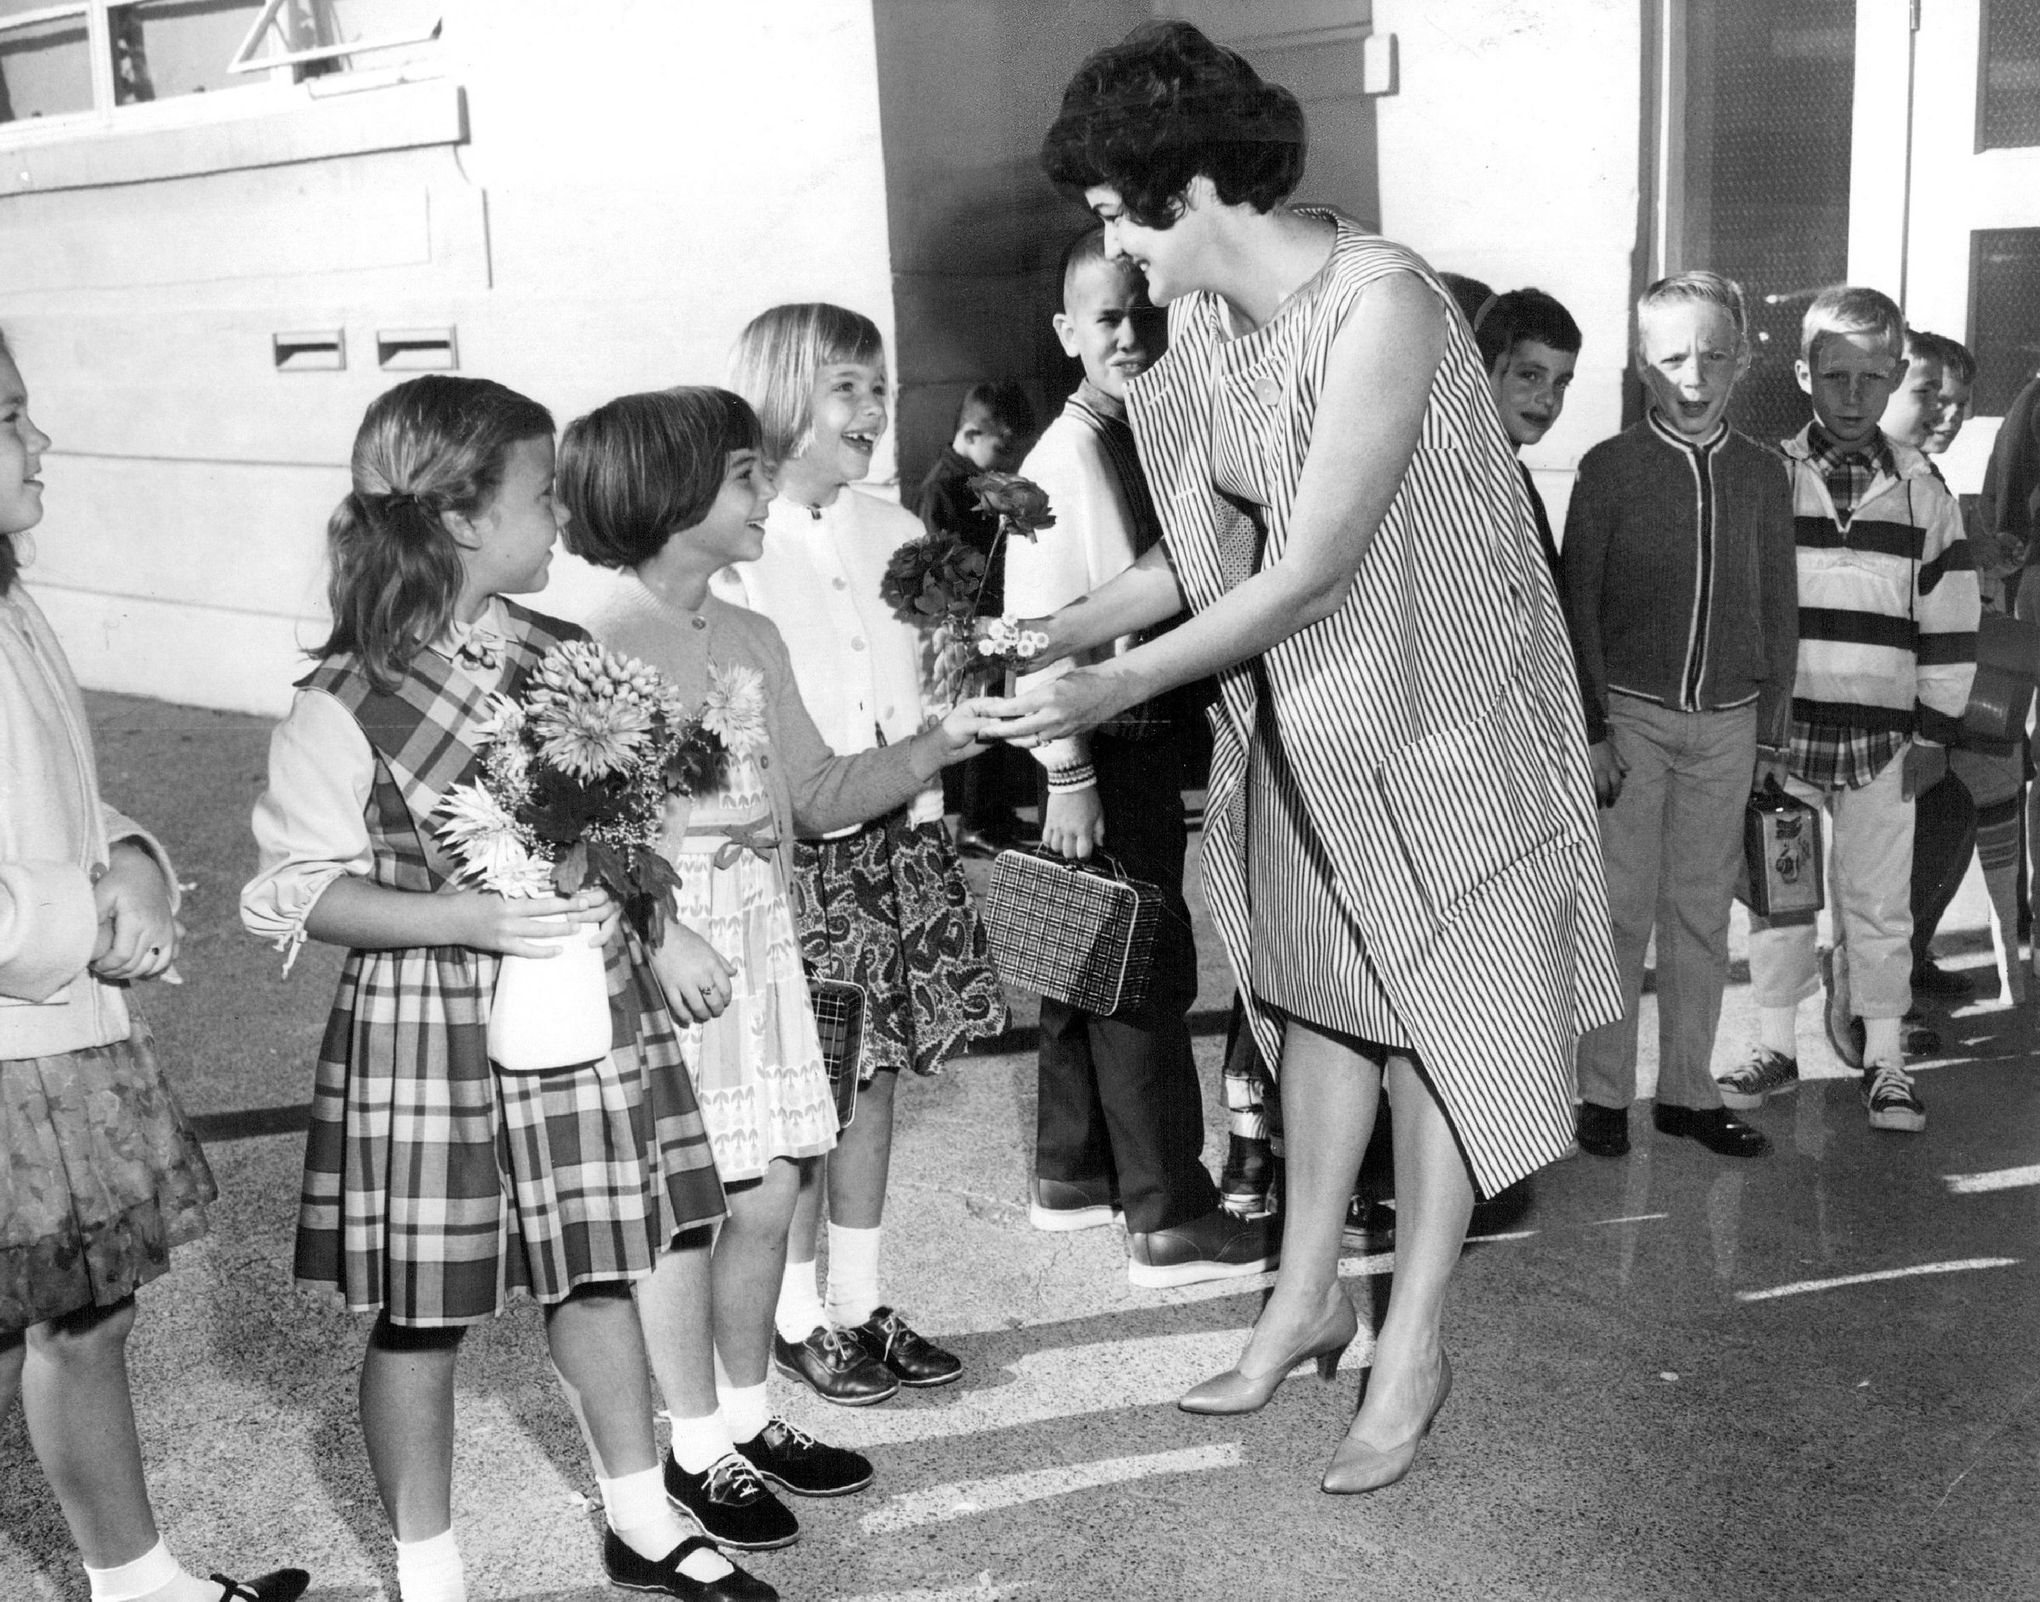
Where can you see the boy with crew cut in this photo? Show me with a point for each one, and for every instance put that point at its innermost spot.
(1887, 650)
(1677, 576)
(1530, 346)
(1120, 1110)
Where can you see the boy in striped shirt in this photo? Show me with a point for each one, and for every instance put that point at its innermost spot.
(1887, 649)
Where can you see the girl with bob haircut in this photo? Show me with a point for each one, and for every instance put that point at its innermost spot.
(436, 1187)
(101, 1177)
(1401, 854)
(672, 487)
(882, 903)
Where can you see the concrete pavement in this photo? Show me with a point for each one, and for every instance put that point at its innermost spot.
(1811, 1375)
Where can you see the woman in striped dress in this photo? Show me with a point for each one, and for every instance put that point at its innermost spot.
(1401, 855)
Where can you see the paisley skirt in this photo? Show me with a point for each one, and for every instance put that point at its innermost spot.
(100, 1175)
(887, 908)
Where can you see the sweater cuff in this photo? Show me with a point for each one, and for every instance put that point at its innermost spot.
(49, 923)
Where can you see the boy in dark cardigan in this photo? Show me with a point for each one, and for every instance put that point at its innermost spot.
(1680, 589)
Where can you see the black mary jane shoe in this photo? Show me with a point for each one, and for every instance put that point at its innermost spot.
(911, 1358)
(835, 1366)
(1716, 1128)
(626, 1568)
(279, 1585)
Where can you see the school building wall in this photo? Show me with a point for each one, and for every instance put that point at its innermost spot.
(1509, 152)
(593, 198)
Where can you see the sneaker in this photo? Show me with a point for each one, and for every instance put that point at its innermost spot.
(1057, 1205)
(834, 1366)
(886, 1339)
(732, 1504)
(795, 1461)
(1217, 1246)
(1888, 1093)
(1765, 1074)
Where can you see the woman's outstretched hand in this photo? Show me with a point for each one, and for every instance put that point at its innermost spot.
(1078, 700)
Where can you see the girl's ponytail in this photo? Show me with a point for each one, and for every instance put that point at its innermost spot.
(428, 447)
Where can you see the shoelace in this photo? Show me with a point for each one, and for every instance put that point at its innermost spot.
(839, 1350)
(733, 1479)
(1890, 1083)
(796, 1437)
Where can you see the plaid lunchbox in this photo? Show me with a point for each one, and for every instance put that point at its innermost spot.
(839, 1020)
(1082, 933)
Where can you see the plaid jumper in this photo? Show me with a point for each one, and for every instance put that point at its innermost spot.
(435, 1187)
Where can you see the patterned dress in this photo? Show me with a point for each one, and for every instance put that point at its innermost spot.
(758, 1067)
(100, 1174)
(1400, 835)
(436, 1187)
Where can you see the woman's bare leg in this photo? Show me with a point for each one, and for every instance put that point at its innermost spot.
(750, 1261)
(407, 1421)
(1433, 1203)
(1329, 1094)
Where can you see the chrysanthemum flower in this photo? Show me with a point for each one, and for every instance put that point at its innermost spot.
(735, 708)
(591, 739)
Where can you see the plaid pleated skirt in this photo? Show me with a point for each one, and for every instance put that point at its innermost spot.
(887, 908)
(436, 1188)
(100, 1176)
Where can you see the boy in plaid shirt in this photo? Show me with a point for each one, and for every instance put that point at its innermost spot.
(1887, 649)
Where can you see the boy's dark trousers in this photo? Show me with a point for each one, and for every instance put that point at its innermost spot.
(1119, 1098)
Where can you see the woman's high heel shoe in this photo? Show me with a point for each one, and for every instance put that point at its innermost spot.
(1358, 1467)
(1234, 1392)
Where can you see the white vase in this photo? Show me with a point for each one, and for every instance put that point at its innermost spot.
(551, 1012)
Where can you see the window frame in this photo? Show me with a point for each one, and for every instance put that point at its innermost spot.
(285, 90)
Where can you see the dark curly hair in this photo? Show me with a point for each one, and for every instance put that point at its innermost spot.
(1164, 106)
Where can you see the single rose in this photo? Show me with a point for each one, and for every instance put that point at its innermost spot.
(1019, 503)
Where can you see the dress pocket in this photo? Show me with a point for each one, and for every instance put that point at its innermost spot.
(1467, 803)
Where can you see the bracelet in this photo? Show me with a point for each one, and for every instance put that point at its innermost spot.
(1078, 776)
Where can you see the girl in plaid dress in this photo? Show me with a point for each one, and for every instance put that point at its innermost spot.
(100, 1175)
(672, 487)
(435, 1185)
(882, 904)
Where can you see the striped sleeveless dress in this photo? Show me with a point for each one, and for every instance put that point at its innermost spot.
(1400, 840)
(435, 1187)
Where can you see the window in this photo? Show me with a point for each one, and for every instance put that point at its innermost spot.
(2004, 313)
(2008, 76)
(1757, 171)
(87, 59)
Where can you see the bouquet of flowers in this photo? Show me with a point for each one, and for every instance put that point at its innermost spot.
(935, 581)
(574, 778)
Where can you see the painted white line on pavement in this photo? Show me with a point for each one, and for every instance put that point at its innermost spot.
(1996, 1179)
(967, 1498)
(1633, 1218)
(1805, 1285)
(1514, 1234)
(982, 1591)
(1059, 1382)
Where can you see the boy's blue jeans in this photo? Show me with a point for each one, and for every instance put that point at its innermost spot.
(1672, 848)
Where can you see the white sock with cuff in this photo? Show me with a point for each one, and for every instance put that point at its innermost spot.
(1778, 1030)
(799, 1313)
(747, 1409)
(853, 1273)
(430, 1570)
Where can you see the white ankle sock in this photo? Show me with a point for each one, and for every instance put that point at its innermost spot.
(853, 1273)
(799, 1313)
(746, 1409)
(1778, 1030)
(1880, 1042)
(700, 1443)
(430, 1570)
(640, 1514)
(154, 1574)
